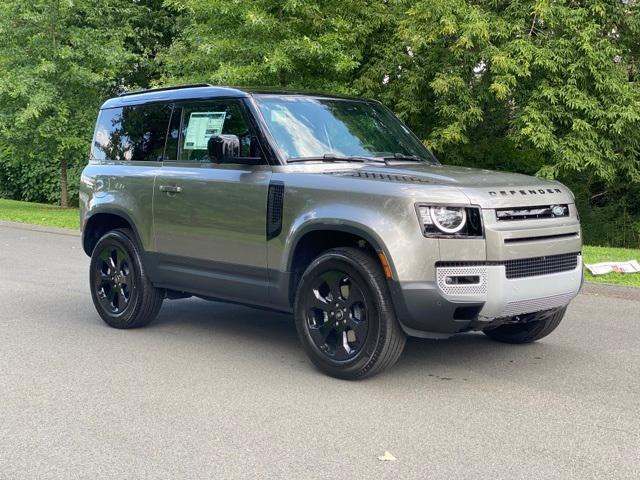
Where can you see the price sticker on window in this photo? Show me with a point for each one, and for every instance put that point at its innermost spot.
(201, 126)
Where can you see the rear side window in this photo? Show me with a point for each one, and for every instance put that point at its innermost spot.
(132, 133)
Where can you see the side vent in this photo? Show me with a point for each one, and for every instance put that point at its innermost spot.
(275, 203)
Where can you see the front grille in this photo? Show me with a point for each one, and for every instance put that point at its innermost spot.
(532, 213)
(527, 267)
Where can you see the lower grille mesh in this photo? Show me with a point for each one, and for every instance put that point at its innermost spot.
(527, 267)
(531, 267)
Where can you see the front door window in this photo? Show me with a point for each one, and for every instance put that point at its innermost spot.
(202, 120)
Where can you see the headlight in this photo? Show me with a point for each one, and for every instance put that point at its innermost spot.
(449, 221)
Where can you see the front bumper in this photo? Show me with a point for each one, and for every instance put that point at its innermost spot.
(506, 297)
(439, 309)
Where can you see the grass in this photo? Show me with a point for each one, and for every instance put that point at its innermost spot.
(52, 216)
(609, 254)
(39, 214)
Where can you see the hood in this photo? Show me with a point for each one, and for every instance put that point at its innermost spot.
(482, 187)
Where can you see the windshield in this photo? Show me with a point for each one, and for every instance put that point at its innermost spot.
(312, 127)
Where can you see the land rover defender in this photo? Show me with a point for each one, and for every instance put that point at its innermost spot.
(322, 206)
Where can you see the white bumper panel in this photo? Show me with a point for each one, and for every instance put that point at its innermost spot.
(505, 297)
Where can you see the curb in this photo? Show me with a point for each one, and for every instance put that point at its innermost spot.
(39, 228)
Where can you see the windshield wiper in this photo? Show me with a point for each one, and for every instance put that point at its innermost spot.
(403, 157)
(330, 158)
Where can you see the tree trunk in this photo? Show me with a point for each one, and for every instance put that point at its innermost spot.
(64, 184)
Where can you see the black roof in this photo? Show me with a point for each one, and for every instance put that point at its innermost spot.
(203, 90)
(185, 92)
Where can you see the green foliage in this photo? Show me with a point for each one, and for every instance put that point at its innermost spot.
(290, 43)
(540, 87)
(551, 77)
(59, 59)
(609, 212)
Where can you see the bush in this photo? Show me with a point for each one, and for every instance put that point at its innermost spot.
(610, 215)
(37, 181)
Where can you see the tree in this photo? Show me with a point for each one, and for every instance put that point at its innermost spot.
(59, 59)
(555, 72)
(540, 87)
(292, 43)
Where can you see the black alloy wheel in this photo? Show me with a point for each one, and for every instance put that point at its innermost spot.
(337, 315)
(121, 291)
(344, 315)
(113, 279)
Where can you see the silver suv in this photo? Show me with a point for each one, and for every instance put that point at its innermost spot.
(322, 206)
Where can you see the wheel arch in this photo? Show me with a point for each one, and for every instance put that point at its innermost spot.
(314, 238)
(102, 221)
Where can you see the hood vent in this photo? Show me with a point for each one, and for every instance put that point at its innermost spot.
(385, 177)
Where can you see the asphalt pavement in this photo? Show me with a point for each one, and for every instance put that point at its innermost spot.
(216, 391)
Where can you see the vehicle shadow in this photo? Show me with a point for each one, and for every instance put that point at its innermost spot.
(467, 351)
(274, 335)
(223, 320)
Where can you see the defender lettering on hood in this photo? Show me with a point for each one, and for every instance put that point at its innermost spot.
(540, 191)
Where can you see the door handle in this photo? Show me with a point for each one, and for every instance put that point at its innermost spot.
(170, 188)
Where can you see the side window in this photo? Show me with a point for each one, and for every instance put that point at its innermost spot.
(132, 133)
(108, 142)
(201, 121)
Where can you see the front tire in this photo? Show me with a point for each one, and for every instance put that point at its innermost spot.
(534, 326)
(344, 316)
(121, 291)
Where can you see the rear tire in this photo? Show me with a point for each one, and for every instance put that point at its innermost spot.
(121, 291)
(344, 315)
(534, 327)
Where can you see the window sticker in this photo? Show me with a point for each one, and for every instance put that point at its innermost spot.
(202, 125)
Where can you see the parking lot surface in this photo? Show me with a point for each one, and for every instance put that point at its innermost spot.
(212, 390)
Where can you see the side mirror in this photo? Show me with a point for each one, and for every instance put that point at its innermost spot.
(226, 149)
(223, 147)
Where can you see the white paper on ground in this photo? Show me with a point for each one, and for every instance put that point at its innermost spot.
(632, 266)
(387, 457)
